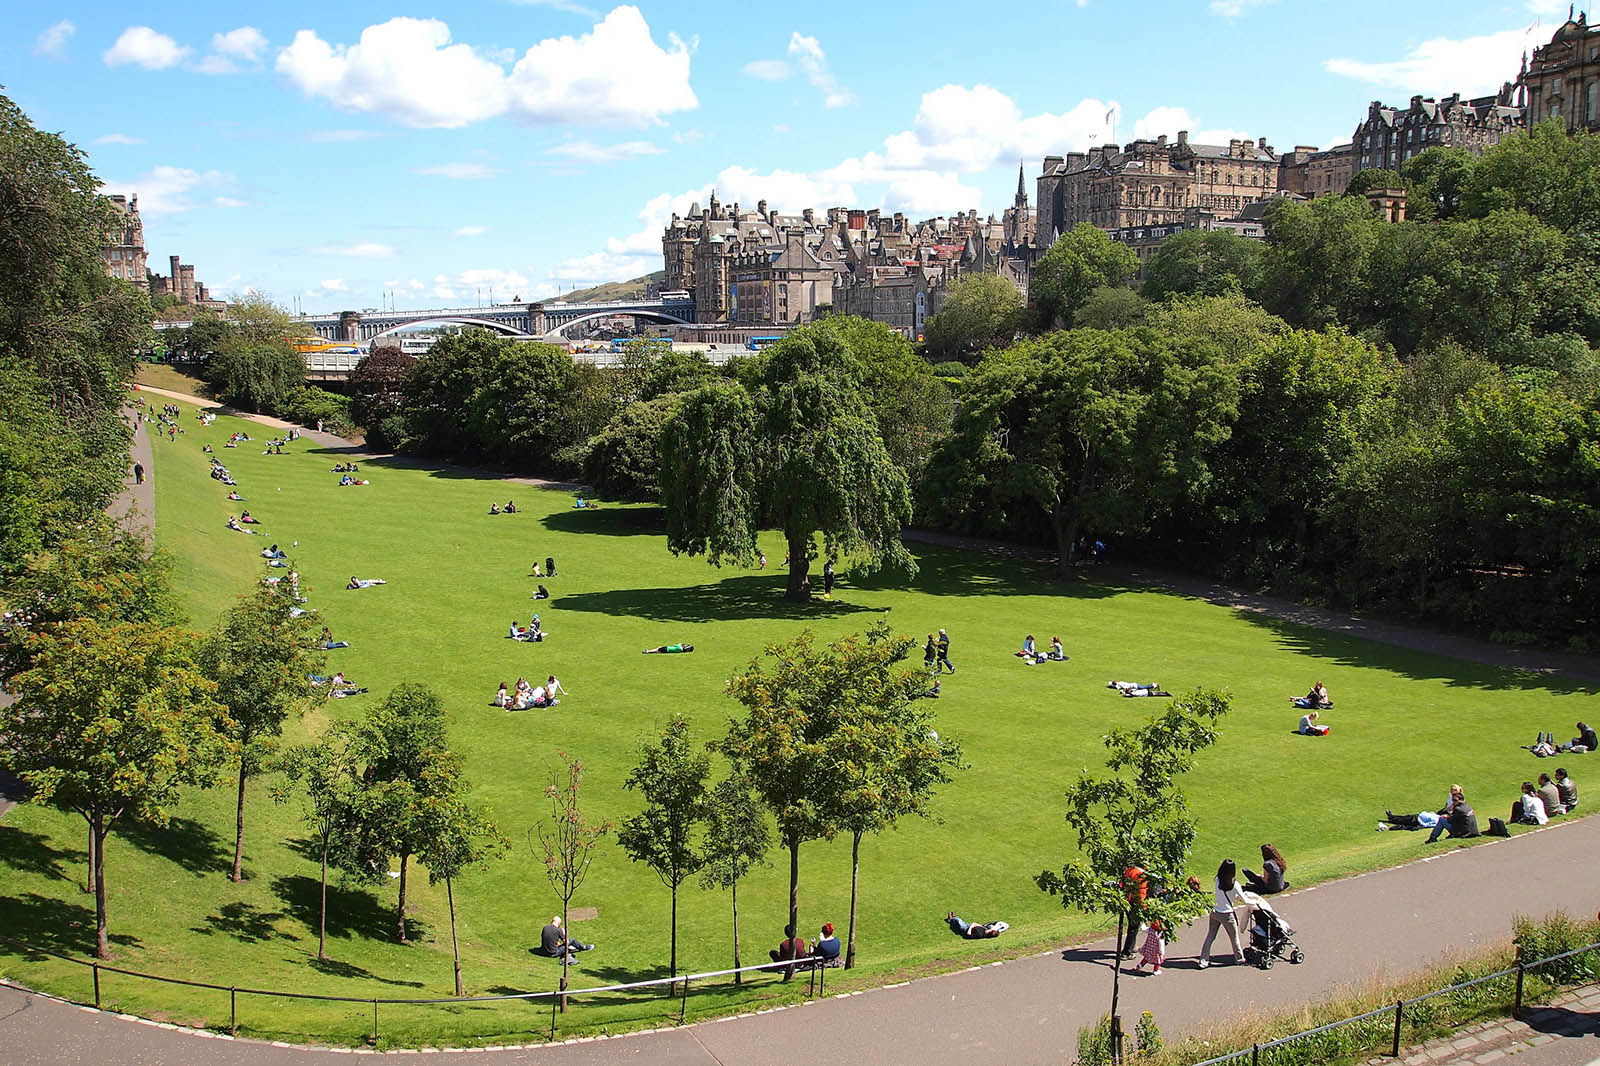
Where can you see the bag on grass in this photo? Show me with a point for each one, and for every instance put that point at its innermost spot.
(1497, 828)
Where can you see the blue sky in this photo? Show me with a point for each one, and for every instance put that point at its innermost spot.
(335, 155)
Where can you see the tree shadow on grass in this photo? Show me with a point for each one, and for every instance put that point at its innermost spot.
(245, 923)
(31, 853)
(727, 600)
(608, 521)
(190, 844)
(352, 912)
(952, 572)
(335, 968)
(54, 925)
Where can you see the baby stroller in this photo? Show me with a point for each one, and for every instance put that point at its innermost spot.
(1271, 938)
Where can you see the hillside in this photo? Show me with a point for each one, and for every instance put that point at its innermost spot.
(616, 290)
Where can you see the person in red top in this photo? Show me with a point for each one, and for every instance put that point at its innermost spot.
(793, 947)
(1136, 886)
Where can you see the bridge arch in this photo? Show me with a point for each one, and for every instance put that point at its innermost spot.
(658, 316)
(476, 323)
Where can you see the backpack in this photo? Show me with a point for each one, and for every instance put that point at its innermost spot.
(1497, 828)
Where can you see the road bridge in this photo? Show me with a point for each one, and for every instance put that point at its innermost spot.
(546, 319)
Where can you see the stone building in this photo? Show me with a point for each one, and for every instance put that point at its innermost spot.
(124, 255)
(1390, 136)
(180, 283)
(1329, 173)
(1563, 80)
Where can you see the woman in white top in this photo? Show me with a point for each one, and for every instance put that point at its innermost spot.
(1533, 812)
(1222, 917)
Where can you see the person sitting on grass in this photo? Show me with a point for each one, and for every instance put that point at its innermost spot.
(1271, 879)
(536, 631)
(536, 572)
(517, 632)
(792, 947)
(511, 507)
(554, 942)
(1057, 653)
(541, 593)
(327, 643)
(930, 694)
(1029, 654)
(1528, 809)
(1567, 790)
(974, 930)
(553, 688)
(549, 566)
(538, 697)
(1551, 796)
(248, 519)
(1584, 741)
(233, 524)
(502, 698)
(1315, 700)
(494, 508)
(1310, 728)
(364, 583)
(1460, 821)
(670, 649)
(827, 947)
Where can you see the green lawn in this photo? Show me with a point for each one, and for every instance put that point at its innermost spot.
(1406, 725)
(171, 377)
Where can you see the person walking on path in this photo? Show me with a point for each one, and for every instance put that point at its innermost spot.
(944, 652)
(1222, 915)
(138, 473)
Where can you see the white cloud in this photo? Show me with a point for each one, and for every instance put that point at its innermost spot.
(340, 136)
(367, 250)
(482, 282)
(461, 171)
(469, 231)
(145, 47)
(245, 43)
(53, 41)
(563, 5)
(970, 129)
(807, 53)
(1442, 65)
(767, 69)
(1234, 8)
(117, 138)
(165, 190)
(408, 70)
(229, 202)
(214, 64)
(588, 152)
(688, 137)
(333, 285)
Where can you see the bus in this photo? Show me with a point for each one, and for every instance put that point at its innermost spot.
(755, 344)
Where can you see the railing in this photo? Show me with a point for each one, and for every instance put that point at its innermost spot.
(1417, 1006)
(559, 999)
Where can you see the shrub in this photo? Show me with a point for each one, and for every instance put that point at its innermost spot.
(388, 435)
(1555, 935)
(1094, 1043)
(953, 370)
(1148, 1034)
(309, 405)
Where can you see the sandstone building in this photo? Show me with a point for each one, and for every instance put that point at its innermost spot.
(124, 255)
(1563, 79)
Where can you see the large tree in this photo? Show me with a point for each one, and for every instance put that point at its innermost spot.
(1315, 268)
(377, 385)
(1203, 262)
(1094, 429)
(795, 445)
(1080, 261)
(671, 776)
(1546, 171)
(737, 839)
(978, 312)
(1135, 815)
(261, 657)
(111, 720)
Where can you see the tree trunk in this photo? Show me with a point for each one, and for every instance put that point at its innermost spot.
(102, 938)
(738, 978)
(855, 878)
(455, 946)
(1066, 530)
(401, 910)
(1116, 985)
(566, 954)
(799, 569)
(238, 831)
(673, 964)
(794, 885)
(322, 908)
(88, 881)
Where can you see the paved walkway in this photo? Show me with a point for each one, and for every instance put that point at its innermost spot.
(1391, 922)
(1564, 1032)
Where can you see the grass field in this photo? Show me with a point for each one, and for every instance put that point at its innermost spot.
(172, 378)
(1406, 725)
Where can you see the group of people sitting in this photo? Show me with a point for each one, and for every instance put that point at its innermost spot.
(1546, 745)
(825, 952)
(1544, 801)
(220, 472)
(346, 479)
(345, 468)
(526, 696)
(1136, 689)
(548, 571)
(1537, 803)
(1032, 656)
(509, 508)
(534, 633)
(1313, 703)
(237, 526)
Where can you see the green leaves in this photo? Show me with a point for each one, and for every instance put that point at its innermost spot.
(671, 776)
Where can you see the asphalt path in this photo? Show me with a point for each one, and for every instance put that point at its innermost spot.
(1387, 923)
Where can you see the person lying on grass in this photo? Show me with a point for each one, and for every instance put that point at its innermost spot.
(364, 583)
(272, 553)
(235, 497)
(233, 524)
(669, 649)
(1138, 688)
(974, 930)
(327, 643)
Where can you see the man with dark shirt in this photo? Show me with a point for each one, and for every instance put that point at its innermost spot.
(793, 947)
(553, 941)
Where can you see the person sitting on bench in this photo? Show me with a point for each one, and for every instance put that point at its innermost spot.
(974, 930)
(1310, 728)
(669, 649)
(827, 947)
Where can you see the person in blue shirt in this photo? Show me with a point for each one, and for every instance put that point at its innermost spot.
(827, 946)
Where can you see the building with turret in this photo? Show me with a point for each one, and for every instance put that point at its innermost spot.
(124, 255)
(1563, 80)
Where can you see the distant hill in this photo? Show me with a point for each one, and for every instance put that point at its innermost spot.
(616, 290)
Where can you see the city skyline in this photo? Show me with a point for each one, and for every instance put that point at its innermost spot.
(331, 157)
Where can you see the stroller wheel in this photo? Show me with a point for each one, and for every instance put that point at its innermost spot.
(1267, 959)
(1297, 957)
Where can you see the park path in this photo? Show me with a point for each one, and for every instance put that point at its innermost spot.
(1390, 922)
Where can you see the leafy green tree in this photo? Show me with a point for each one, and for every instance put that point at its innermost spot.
(1364, 181)
(1112, 307)
(623, 461)
(567, 843)
(457, 837)
(1079, 262)
(256, 375)
(1435, 182)
(889, 756)
(1203, 262)
(111, 720)
(206, 335)
(261, 658)
(1547, 172)
(795, 447)
(979, 311)
(377, 386)
(256, 319)
(736, 842)
(1315, 268)
(1093, 429)
(912, 406)
(1136, 815)
(409, 770)
(671, 776)
(327, 773)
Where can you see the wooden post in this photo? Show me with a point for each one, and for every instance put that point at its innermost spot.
(1399, 1014)
(96, 967)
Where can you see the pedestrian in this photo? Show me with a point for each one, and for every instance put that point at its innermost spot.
(827, 579)
(138, 473)
(762, 564)
(1226, 896)
(944, 652)
(929, 654)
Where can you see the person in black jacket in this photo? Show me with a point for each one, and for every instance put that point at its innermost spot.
(1461, 824)
(1585, 738)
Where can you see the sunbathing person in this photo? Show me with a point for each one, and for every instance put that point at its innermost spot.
(272, 553)
(494, 508)
(669, 649)
(1029, 654)
(327, 643)
(549, 566)
(234, 496)
(1057, 654)
(249, 519)
(365, 583)
(536, 631)
(1134, 689)
(974, 930)
(233, 524)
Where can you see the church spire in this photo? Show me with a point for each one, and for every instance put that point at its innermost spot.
(1022, 185)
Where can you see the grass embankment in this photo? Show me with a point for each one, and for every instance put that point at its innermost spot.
(1406, 725)
(172, 378)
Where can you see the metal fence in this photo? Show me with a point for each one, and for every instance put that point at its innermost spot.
(813, 968)
(1279, 1052)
